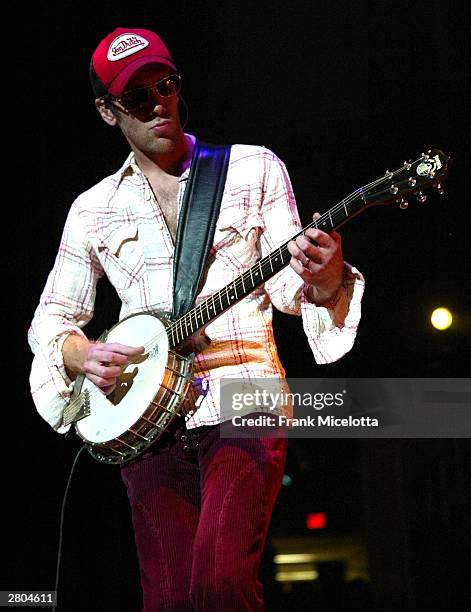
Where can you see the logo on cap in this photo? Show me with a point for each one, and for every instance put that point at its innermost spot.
(126, 45)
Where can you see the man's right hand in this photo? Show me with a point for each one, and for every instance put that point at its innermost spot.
(101, 362)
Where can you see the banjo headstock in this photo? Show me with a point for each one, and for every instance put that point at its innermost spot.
(412, 178)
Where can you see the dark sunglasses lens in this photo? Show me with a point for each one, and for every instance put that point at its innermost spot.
(169, 86)
(135, 99)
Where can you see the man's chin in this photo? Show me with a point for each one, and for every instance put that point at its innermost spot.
(164, 144)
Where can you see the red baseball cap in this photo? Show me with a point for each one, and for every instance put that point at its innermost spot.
(120, 54)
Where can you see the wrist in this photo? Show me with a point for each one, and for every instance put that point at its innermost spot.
(324, 300)
(74, 350)
(327, 299)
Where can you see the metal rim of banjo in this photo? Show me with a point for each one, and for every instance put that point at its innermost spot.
(167, 405)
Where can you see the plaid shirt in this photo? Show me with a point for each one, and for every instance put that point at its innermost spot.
(117, 228)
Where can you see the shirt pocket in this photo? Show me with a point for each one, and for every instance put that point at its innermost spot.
(236, 239)
(121, 254)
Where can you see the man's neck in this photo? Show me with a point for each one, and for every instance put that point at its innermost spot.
(173, 163)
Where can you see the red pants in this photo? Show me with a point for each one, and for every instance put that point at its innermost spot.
(201, 509)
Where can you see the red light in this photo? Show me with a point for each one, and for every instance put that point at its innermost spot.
(316, 520)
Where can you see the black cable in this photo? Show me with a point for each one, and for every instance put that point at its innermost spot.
(187, 111)
(59, 550)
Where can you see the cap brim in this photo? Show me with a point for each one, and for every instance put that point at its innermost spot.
(118, 84)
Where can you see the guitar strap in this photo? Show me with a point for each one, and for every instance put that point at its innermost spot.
(197, 221)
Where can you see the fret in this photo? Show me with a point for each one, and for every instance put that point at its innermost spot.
(276, 258)
(261, 270)
(243, 284)
(345, 208)
(270, 262)
(191, 315)
(220, 300)
(207, 310)
(331, 222)
(177, 340)
(282, 255)
(191, 324)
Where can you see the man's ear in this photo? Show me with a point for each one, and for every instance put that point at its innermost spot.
(106, 113)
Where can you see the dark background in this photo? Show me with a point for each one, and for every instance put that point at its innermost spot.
(341, 91)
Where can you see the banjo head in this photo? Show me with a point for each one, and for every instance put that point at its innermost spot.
(137, 386)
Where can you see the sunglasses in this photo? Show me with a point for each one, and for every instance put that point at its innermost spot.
(138, 99)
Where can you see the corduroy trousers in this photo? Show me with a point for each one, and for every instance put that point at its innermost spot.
(201, 507)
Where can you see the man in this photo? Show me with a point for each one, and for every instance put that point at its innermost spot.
(201, 505)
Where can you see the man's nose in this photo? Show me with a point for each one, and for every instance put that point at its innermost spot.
(156, 98)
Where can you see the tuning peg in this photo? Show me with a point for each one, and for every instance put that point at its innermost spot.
(403, 203)
(440, 189)
(421, 197)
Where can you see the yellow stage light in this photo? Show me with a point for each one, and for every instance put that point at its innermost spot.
(441, 318)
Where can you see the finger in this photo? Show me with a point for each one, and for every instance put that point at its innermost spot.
(309, 251)
(108, 389)
(297, 252)
(303, 272)
(123, 349)
(322, 239)
(315, 269)
(108, 357)
(336, 236)
(102, 371)
(100, 382)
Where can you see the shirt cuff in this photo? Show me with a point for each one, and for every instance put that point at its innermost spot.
(331, 331)
(50, 386)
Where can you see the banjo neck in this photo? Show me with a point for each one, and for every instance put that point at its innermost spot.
(411, 177)
(204, 313)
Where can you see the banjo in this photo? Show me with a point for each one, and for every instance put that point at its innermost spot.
(152, 391)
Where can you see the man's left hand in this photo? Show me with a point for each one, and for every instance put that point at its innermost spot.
(317, 258)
